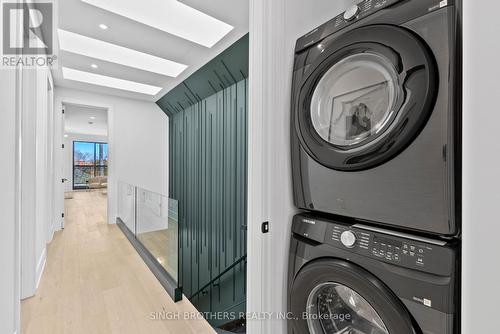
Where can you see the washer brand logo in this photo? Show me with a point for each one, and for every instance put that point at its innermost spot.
(425, 301)
(312, 222)
(28, 34)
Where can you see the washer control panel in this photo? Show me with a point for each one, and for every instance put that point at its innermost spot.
(400, 249)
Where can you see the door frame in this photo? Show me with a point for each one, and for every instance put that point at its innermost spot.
(269, 168)
(59, 155)
(50, 157)
(34, 177)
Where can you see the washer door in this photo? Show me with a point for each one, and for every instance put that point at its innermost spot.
(367, 97)
(337, 297)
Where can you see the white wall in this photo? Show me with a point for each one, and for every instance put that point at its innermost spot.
(68, 152)
(137, 139)
(36, 227)
(274, 29)
(481, 167)
(25, 157)
(9, 288)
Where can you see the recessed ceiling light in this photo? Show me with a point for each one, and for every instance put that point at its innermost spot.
(75, 43)
(92, 117)
(102, 80)
(103, 26)
(182, 21)
(66, 136)
(94, 66)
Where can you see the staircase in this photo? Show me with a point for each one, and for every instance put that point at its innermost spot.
(225, 293)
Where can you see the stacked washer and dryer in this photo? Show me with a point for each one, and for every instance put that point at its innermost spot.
(376, 168)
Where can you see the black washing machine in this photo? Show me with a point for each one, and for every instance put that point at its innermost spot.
(362, 280)
(376, 115)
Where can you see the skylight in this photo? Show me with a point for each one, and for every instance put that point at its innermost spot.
(97, 49)
(102, 80)
(171, 16)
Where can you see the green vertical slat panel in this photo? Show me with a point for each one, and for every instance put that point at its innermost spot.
(231, 146)
(241, 149)
(204, 218)
(211, 127)
(186, 283)
(220, 181)
(208, 176)
(192, 199)
(186, 193)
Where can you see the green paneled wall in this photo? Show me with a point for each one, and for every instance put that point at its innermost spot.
(208, 173)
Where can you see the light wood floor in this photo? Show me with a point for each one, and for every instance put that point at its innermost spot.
(95, 282)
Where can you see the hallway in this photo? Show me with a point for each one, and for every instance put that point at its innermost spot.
(96, 283)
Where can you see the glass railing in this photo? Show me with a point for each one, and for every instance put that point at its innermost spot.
(157, 228)
(153, 219)
(126, 205)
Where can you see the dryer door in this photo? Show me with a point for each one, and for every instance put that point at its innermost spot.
(367, 96)
(337, 297)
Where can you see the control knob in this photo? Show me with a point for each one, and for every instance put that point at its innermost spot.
(351, 13)
(348, 239)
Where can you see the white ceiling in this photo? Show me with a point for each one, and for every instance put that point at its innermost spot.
(79, 17)
(77, 120)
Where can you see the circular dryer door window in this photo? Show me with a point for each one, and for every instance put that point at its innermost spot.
(365, 97)
(355, 100)
(334, 308)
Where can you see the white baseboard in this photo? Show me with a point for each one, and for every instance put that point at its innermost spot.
(40, 267)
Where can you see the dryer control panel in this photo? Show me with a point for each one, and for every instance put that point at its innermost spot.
(351, 14)
(401, 249)
(360, 11)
